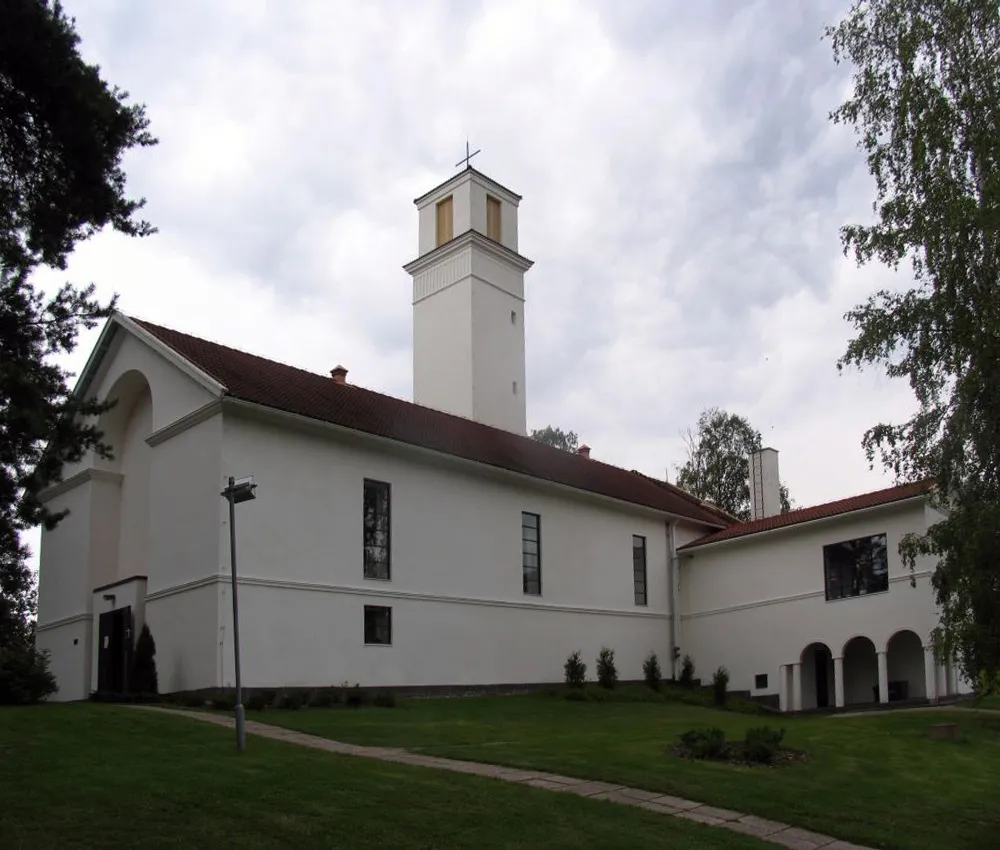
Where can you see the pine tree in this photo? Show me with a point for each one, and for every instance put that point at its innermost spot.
(144, 679)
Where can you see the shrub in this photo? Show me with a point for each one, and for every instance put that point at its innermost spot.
(24, 674)
(192, 700)
(704, 743)
(577, 695)
(385, 699)
(761, 744)
(288, 700)
(223, 701)
(356, 697)
(651, 671)
(320, 698)
(607, 673)
(720, 684)
(255, 702)
(687, 672)
(144, 680)
(576, 670)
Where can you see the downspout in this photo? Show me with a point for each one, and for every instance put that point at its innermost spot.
(672, 568)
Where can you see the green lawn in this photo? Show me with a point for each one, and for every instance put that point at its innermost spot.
(876, 779)
(100, 776)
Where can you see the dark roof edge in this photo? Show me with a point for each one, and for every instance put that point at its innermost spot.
(705, 541)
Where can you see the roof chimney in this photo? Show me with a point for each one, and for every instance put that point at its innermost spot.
(339, 374)
(765, 487)
(584, 451)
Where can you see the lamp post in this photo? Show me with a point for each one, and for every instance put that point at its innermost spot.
(236, 492)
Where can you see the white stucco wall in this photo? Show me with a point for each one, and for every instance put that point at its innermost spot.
(442, 349)
(152, 509)
(459, 613)
(754, 604)
(185, 624)
(498, 358)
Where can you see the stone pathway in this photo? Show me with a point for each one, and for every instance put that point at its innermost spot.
(954, 709)
(767, 830)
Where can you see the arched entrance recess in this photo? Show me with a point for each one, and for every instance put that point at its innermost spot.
(905, 658)
(817, 676)
(860, 671)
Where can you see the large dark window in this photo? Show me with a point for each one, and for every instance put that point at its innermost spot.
(856, 567)
(378, 624)
(531, 553)
(639, 568)
(376, 524)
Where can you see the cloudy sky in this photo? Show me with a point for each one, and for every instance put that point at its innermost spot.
(683, 191)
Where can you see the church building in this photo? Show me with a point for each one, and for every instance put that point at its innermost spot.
(432, 543)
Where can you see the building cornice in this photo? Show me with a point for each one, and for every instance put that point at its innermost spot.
(74, 481)
(465, 240)
(179, 426)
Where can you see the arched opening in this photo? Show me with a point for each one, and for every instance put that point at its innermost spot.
(817, 676)
(860, 671)
(124, 507)
(905, 661)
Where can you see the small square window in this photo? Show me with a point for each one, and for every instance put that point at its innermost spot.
(760, 681)
(378, 625)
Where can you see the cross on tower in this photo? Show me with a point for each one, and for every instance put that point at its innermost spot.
(467, 156)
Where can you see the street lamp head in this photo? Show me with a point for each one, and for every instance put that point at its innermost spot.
(240, 490)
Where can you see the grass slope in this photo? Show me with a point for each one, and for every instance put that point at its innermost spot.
(876, 780)
(107, 777)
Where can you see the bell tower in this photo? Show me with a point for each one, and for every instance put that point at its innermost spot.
(468, 302)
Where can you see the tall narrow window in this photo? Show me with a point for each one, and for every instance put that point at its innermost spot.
(493, 218)
(445, 221)
(531, 553)
(376, 529)
(378, 624)
(639, 568)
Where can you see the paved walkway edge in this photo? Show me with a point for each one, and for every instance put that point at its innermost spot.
(767, 830)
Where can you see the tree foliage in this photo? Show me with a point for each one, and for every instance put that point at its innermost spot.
(63, 132)
(925, 107)
(718, 462)
(551, 436)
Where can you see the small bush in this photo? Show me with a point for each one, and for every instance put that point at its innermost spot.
(288, 700)
(704, 743)
(720, 685)
(356, 697)
(761, 744)
(607, 673)
(320, 698)
(385, 699)
(192, 700)
(687, 672)
(577, 695)
(223, 701)
(255, 702)
(576, 670)
(651, 671)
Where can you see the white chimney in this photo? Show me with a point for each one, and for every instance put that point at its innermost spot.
(765, 488)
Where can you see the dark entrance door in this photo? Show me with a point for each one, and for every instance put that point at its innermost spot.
(820, 662)
(114, 653)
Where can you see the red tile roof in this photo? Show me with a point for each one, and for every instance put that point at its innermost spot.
(824, 511)
(275, 385)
